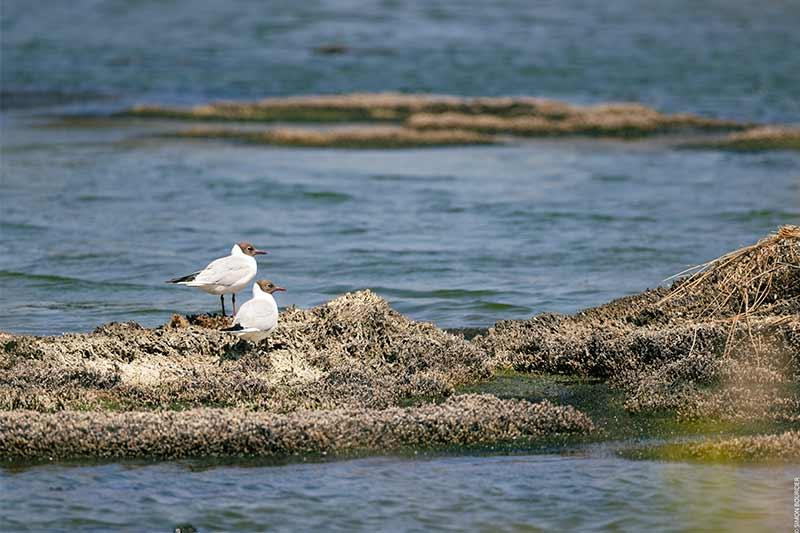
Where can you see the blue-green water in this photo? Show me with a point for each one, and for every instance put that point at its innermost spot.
(730, 58)
(94, 217)
(94, 221)
(587, 492)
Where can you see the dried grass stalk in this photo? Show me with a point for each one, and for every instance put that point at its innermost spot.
(740, 284)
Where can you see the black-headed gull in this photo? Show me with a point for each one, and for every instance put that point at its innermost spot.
(258, 316)
(226, 275)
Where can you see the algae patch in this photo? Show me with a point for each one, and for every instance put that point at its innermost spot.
(776, 448)
(604, 404)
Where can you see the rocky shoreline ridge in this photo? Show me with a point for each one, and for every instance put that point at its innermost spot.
(721, 346)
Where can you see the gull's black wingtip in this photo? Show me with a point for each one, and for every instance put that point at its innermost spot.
(183, 279)
(235, 327)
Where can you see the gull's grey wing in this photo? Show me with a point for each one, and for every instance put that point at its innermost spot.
(224, 271)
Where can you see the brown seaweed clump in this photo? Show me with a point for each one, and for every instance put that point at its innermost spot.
(203, 321)
(755, 140)
(353, 352)
(350, 137)
(610, 120)
(722, 343)
(469, 420)
(780, 448)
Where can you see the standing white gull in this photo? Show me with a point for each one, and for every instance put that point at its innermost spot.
(258, 316)
(226, 275)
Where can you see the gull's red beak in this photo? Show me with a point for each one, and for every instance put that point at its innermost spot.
(260, 252)
(280, 289)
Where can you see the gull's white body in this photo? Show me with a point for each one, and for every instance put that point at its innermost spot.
(257, 317)
(226, 275)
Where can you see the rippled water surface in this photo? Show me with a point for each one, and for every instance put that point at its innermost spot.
(511, 493)
(94, 221)
(95, 215)
(732, 58)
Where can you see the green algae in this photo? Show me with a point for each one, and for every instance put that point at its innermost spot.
(602, 402)
(708, 439)
(772, 447)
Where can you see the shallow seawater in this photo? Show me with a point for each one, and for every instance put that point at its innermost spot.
(729, 58)
(588, 491)
(95, 215)
(94, 220)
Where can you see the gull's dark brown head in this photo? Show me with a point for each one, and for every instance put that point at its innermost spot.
(269, 287)
(249, 249)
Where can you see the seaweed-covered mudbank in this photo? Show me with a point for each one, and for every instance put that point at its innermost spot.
(755, 140)
(613, 120)
(526, 116)
(468, 420)
(355, 107)
(723, 343)
(353, 352)
(349, 375)
(350, 137)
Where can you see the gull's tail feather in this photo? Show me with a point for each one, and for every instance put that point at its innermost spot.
(184, 279)
(237, 329)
